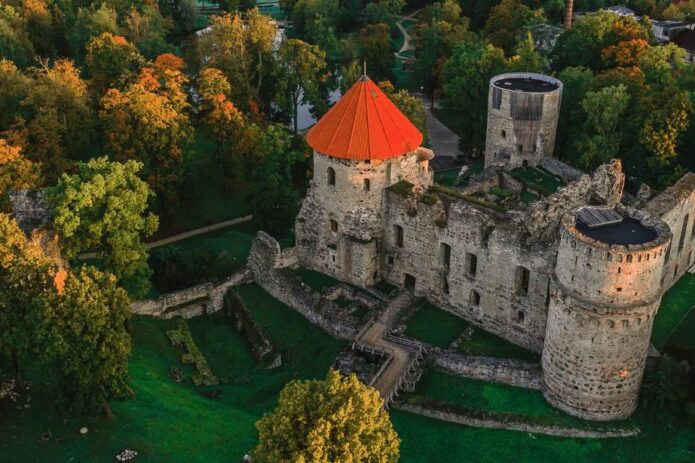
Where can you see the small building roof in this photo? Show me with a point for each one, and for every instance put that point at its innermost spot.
(364, 125)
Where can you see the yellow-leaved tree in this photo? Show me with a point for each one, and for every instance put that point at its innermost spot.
(336, 420)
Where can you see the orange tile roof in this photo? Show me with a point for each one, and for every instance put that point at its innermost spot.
(363, 125)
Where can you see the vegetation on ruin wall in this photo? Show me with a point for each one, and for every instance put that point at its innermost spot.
(434, 326)
(174, 422)
(537, 179)
(181, 337)
(676, 306)
(471, 199)
(315, 280)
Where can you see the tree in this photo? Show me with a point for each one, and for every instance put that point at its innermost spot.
(241, 47)
(14, 87)
(320, 32)
(103, 207)
(147, 30)
(14, 41)
(148, 122)
(412, 107)
(376, 45)
(306, 12)
(526, 58)
(112, 61)
(302, 69)
(466, 78)
(271, 196)
(383, 11)
(338, 419)
(27, 290)
(507, 21)
(16, 173)
(668, 113)
(90, 343)
(89, 23)
(601, 138)
(435, 37)
(575, 83)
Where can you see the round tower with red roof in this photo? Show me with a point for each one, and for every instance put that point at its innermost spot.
(363, 145)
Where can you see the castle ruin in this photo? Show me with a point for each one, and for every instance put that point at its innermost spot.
(574, 273)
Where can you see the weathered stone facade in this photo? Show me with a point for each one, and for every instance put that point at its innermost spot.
(507, 271)
(523, 110)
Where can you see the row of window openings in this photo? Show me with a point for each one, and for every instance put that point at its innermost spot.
(522, 278)
(330, 179)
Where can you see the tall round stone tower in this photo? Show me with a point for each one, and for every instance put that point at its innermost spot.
(523, 110)
(604, 297)
(363, 145)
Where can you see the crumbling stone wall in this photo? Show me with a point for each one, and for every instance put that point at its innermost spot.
(676, 207)
(265, 259)
(340, 221)
(603, 301)
(505, 371)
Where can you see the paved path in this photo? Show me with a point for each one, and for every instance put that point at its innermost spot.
(184, 235)
(402, 356)
(406, 37)
(443, 140)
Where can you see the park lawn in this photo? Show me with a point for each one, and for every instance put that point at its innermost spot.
(537, 179)
(447, 177)
(675, 316)
(315, 280)
(204, 199)
(483, 343)
(170, 422)
(434, 326)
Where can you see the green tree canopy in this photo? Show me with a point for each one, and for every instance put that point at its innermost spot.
(338, 419)
(90, 344)
(103, 206)
(376, 46)
(112, 60)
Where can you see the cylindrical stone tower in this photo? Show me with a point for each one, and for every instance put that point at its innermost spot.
(604, 297)
(523, 110)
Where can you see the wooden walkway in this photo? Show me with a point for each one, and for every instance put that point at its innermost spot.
(402, 357)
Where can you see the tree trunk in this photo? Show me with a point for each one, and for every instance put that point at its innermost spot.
(17, 372)
(105, 405)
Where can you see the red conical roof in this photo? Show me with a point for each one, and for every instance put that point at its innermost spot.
(364, 124)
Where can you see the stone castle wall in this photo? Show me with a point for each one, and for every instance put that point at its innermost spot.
(676, 207)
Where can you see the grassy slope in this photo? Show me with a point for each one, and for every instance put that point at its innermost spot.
(676, 304)
(483, 343)
(173, 422)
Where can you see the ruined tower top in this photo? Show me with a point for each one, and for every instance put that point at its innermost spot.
(364, 125)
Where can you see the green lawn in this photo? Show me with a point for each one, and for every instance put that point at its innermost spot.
(204, 200)
(209, 257)
(434, 326)
(316, 280)
(447, 177)
(169, 422)
(483, 343)
(675, 320)
(537, 179)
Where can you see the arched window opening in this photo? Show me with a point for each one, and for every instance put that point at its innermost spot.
(331, 176)
(445, 255)
(366, 184)
(522, 280)
(474, 298)
(334, 226)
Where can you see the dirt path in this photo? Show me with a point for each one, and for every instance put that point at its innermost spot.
(184, 235)
(406, 37)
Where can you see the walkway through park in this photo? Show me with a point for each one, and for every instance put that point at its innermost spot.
(184, 235)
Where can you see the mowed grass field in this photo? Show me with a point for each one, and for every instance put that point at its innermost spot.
(171, 422)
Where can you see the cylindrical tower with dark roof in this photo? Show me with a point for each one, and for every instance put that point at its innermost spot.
(604, 297)
(523, 110)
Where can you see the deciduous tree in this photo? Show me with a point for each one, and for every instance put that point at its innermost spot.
(112, 61)
(104, 207)
(338, 419)
(376, 46)
(16, 173)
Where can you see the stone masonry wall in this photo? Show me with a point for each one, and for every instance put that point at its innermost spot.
(264, 262)
(676, 207)
(505, 371)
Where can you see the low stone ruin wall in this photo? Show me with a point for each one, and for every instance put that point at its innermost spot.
(261, 347)
(498, 370)
(191, 302)
(269, 267)
(481, 419)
